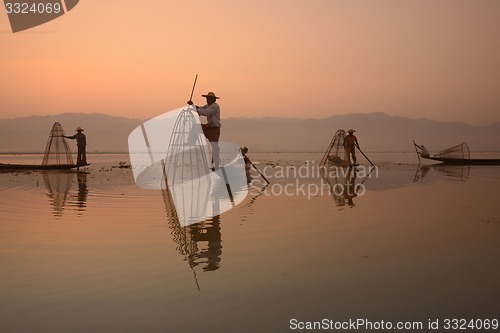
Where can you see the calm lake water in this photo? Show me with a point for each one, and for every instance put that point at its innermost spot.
(90, 251)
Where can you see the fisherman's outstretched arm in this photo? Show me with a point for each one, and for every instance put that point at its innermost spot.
(208, 110)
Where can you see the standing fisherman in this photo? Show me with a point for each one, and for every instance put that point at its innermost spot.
(212, 128)
(351, 142)
(81, 142)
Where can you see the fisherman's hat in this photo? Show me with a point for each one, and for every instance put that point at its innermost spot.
(210, 94)
(79, 129)
(351, 131)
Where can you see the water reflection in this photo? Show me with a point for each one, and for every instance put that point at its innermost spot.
(256, 183)
(346, 184)
(83, 192)
(208, 239)
(200, 243)
(59, 185)
(455, 172)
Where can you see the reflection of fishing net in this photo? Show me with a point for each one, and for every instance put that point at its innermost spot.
(58, 185)
(460, 151)
(185, 244)
(458, 172)
(200, 243)
(57, 151)
(190, 239)
(335, 154)
(333, 185)
(342, 186)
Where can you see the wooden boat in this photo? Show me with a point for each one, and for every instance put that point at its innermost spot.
(456, 155)
(469, 161)
(39, 166)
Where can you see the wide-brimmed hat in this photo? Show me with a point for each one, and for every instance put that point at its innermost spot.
(79, 129)
(210, 94)
(351, 131)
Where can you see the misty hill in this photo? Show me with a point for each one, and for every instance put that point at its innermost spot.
(375, 131)
(104, 133)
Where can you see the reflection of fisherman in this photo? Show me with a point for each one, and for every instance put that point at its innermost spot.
(81, 142)
(210, 255)
(350, 188)
(351, 142)
(82, 190)
(212, 128)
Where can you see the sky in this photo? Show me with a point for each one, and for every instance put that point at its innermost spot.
(283, 58)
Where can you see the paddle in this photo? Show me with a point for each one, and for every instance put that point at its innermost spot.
(373, 165)
(253, 165)
(416, 150)
(194, 85)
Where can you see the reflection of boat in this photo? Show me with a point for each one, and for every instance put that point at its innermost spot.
(456, 155)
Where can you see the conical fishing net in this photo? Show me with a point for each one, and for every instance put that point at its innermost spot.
(460, 151)
(186, 168)
(57, 151)
(335, 154)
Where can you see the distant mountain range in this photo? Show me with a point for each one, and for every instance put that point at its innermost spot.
(375, 132)
(104, 133)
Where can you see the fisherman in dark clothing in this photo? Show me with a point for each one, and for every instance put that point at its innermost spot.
(81, 142)
(212, 128)
(351, 142)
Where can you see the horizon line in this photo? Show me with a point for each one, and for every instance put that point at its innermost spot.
(264, 117)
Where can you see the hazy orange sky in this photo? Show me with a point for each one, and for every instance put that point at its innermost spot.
(309, 59)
